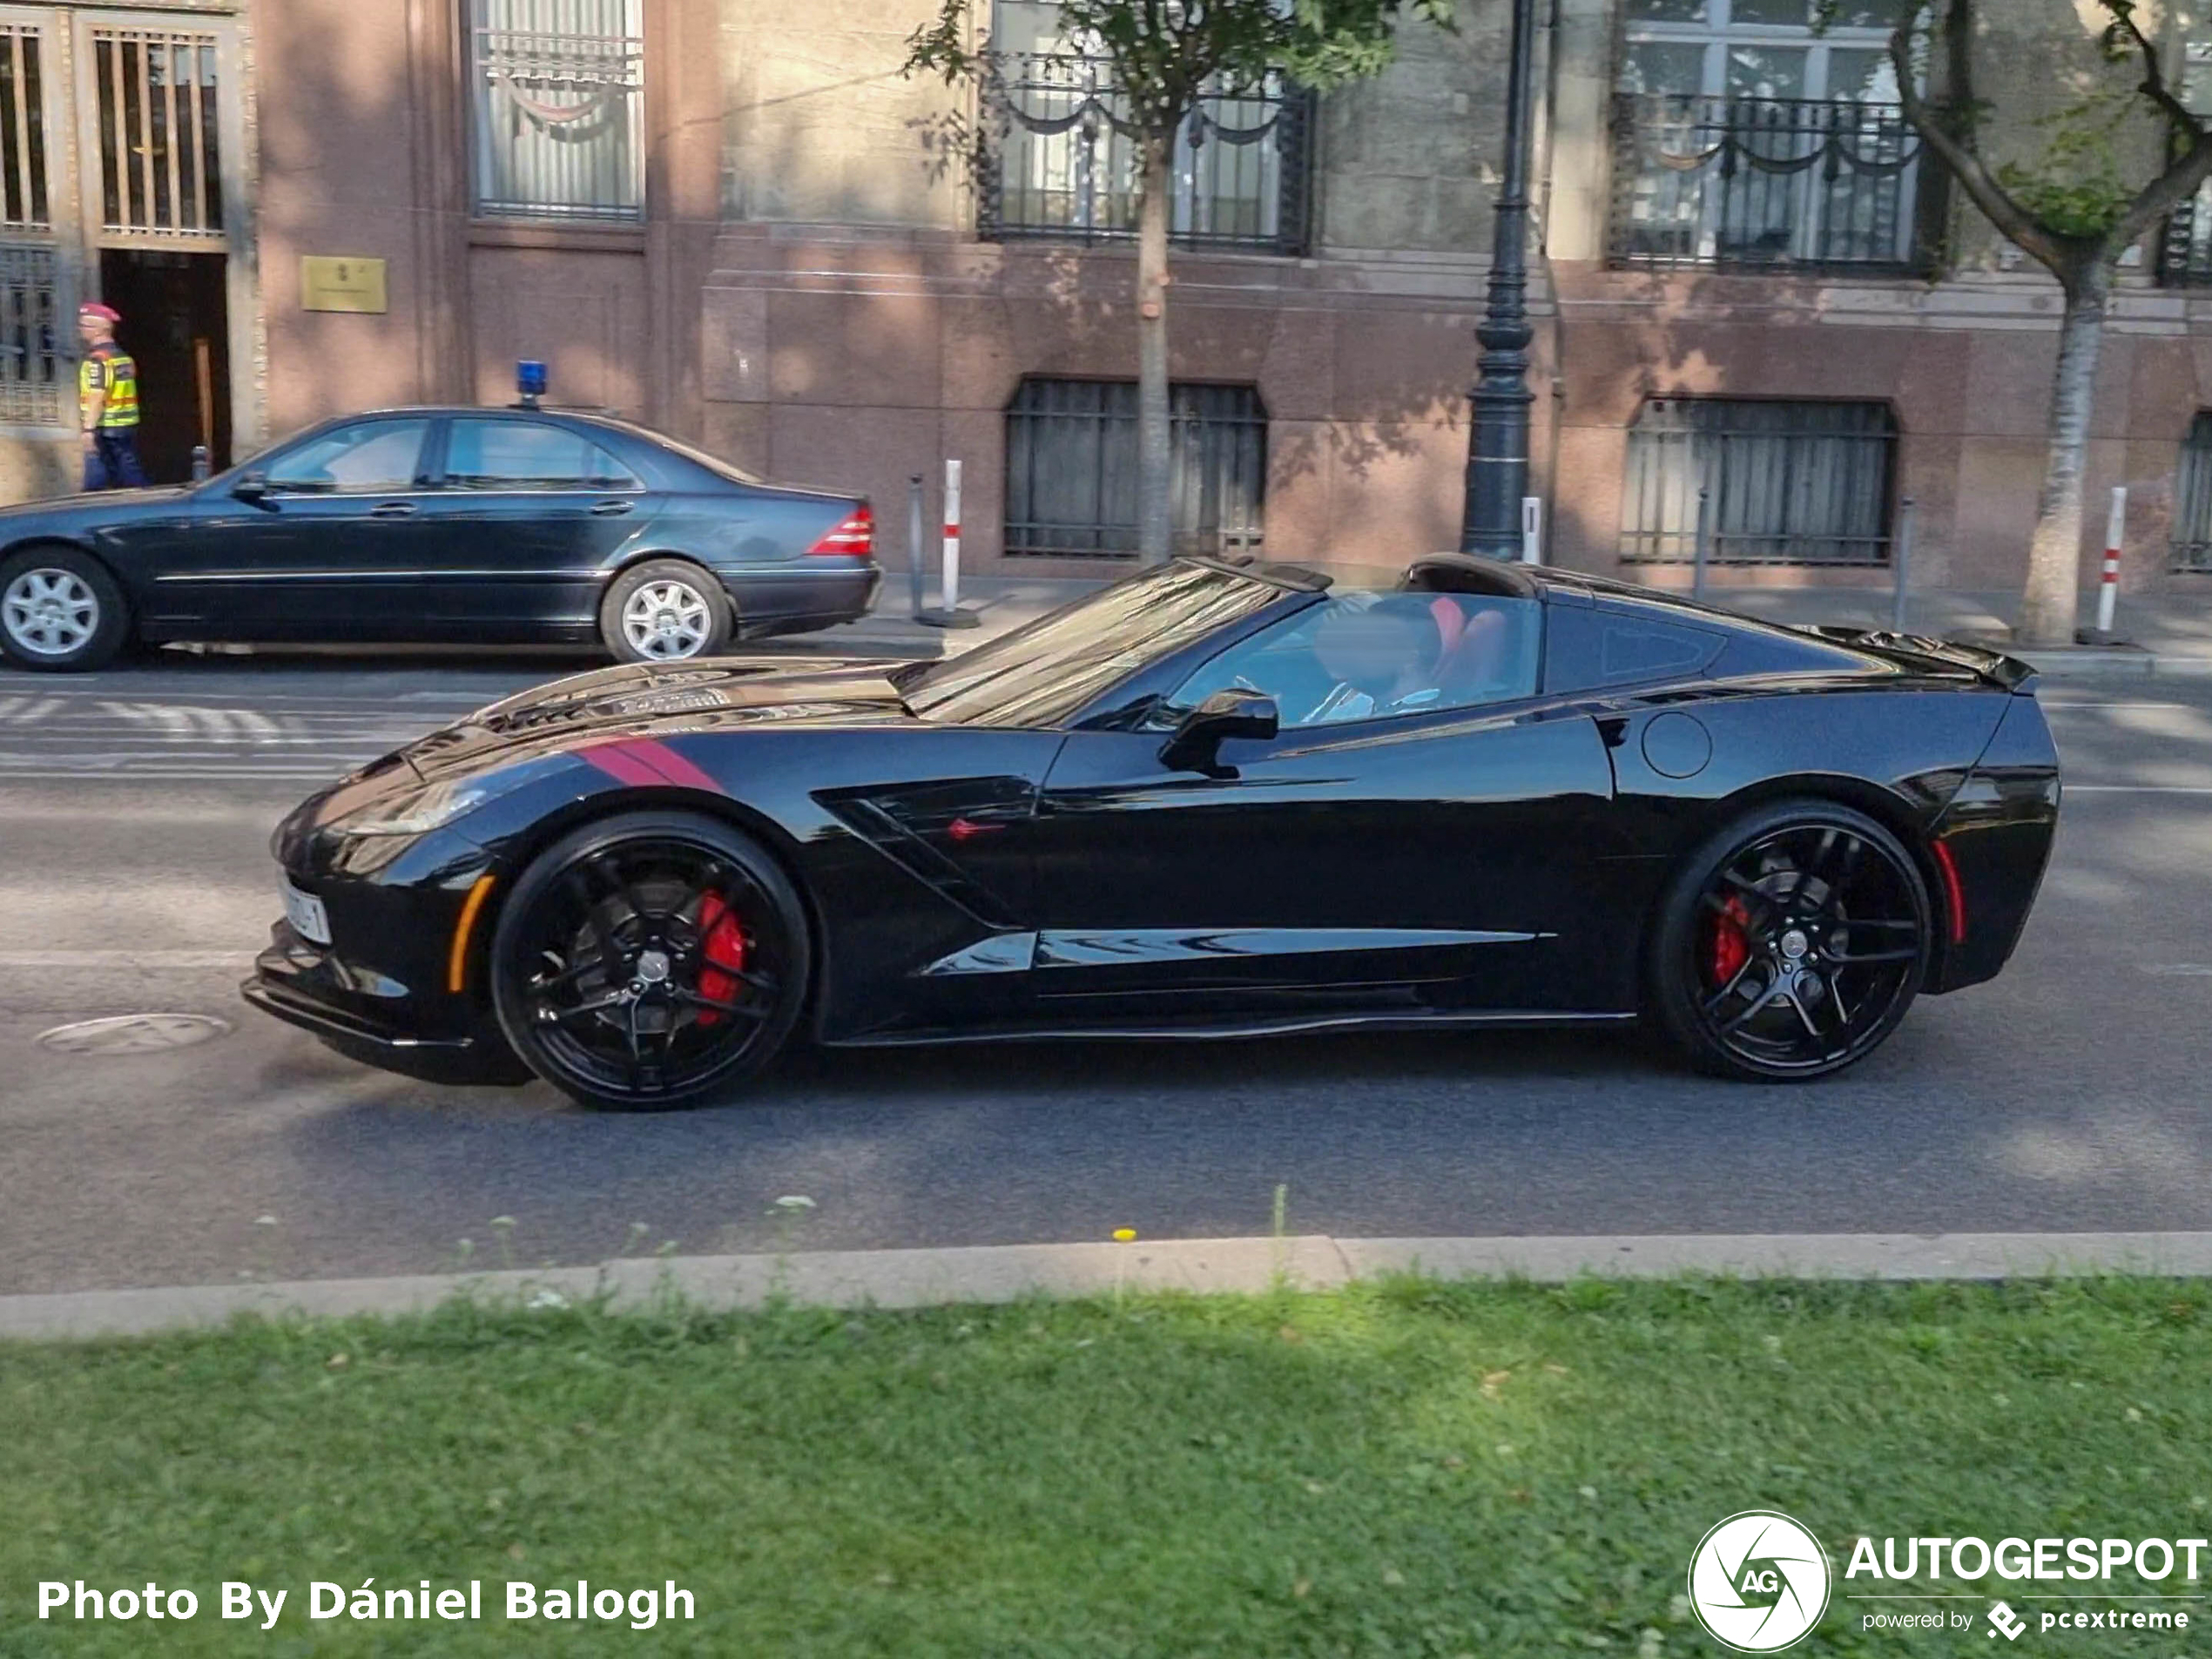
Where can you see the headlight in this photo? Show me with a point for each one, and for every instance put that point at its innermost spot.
(424, 810)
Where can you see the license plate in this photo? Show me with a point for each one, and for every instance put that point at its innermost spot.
(305, 912)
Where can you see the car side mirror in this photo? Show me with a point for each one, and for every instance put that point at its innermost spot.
(1236, 712)
(251, 486)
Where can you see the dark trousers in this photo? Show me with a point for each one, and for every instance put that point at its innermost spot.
(113, 461)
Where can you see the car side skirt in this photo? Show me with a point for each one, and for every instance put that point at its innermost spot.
(1214, 1028)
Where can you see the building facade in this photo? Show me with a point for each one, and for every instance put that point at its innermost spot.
(1764, 324)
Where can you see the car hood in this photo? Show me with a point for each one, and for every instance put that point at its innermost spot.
(646, 700)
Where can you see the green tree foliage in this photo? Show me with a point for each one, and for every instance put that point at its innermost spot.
(1165, 55)
(2075, 207)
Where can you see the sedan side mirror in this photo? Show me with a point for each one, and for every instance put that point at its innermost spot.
(251, 486)
(1237, 713)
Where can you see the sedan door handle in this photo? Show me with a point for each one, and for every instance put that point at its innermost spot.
(392, 509)
(614, 507)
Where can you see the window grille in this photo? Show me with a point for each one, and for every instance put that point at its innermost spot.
(24, 205)
(1782, 483)
(160, 158)
(2192, 535)
(559, 108)
(1763, 132)
(1071, 468)
(1061, 159)
(2185, 254)
(37, 341)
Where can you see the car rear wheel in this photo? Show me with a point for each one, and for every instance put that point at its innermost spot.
(60, 610)
(665, 611)
(647, 961)
(1790, 944)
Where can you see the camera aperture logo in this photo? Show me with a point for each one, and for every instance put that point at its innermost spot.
(1759, 1581)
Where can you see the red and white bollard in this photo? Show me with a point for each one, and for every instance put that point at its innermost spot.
(2115, 532)
(949, 601)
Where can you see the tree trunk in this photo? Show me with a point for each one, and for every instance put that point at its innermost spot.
(1154, 455)
(2049, 600)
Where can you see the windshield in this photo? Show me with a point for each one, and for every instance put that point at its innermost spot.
(1041, 674)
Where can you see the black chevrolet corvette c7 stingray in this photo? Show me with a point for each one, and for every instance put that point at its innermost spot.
(1210, 800)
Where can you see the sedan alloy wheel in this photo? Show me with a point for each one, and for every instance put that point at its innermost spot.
(49, 612)
(667, 621)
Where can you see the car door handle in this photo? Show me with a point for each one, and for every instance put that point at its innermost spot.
(392, 509)
(613, 508)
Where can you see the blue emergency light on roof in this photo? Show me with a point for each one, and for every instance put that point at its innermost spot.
(530, 381)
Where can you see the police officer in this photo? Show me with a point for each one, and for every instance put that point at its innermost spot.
(107, 385)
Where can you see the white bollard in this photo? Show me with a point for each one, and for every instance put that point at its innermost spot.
(949, 602)
(2115, 532)
(1532, 530)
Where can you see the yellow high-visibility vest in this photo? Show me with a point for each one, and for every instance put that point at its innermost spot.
(106, 368)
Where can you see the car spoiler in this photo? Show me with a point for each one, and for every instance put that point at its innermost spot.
(2008, 673)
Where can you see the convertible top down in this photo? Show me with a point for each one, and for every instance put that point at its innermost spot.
(1210, 800)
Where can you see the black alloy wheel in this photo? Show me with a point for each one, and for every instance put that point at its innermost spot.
(1790, 945)
(643, 962)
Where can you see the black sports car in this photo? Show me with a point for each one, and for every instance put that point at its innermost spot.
(1210, 800)
(479, 525)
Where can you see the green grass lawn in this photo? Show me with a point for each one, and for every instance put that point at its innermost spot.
(1397, 1469)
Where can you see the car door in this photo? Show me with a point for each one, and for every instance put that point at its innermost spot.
(321, 540)
(1425, 853)
(529, 516)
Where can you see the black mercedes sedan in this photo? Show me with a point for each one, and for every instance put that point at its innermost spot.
(430, 525)
(1209, 801)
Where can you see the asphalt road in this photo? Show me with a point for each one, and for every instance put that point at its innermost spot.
(134, 809)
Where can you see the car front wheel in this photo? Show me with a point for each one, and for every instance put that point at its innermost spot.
(60, 610)
(1790, 944)
(646, 961)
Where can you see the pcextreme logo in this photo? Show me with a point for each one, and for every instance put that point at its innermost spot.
(1758, 1581)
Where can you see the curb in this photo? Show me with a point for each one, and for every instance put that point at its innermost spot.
(998, 1273)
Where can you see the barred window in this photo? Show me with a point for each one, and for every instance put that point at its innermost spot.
(160, 154)
(2193, 498)
(559, 108)
(1071, 467)
(36, 369)
(1762, 133)
(1062, 160)
(24, 205)
(2185, 254)
(1764, 483)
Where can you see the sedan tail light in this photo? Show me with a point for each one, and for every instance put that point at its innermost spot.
(852, 537)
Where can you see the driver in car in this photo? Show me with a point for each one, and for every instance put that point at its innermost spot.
(1382, 653)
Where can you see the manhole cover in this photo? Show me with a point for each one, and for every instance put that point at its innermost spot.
(133, 1033)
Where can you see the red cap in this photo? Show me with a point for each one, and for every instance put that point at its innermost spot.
(94, 309)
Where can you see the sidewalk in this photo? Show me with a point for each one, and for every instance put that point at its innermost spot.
(2161, 636)
(998, 1273)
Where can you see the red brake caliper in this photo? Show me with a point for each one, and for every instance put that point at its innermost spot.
(724, 953)
(1730, 947)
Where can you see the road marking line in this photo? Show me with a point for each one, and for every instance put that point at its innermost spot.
(2137, 789)
(126, 959)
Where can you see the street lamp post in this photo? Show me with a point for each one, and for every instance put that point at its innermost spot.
(1498, 438)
